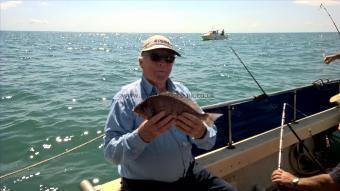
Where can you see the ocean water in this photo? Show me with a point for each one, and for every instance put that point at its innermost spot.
(56, 90)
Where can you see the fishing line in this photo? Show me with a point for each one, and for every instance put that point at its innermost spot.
(51, 158)
(322, 6)
(275, 109)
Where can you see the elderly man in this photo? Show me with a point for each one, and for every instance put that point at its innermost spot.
(155, 154)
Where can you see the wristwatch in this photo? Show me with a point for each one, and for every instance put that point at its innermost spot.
(295, 181)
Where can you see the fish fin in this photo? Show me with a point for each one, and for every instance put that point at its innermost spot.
(212, 118)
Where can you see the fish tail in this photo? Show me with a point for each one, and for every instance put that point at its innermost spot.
(211, 118)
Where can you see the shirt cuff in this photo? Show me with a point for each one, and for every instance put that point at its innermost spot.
(135, 142)
(206, 136)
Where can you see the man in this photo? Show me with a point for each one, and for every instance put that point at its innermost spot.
(156, 154)
(321, 182)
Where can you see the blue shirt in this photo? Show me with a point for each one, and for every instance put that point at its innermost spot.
(167, 157)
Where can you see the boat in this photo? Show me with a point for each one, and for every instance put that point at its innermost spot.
(248, 136)
(214, 35)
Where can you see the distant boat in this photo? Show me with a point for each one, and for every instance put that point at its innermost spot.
(214, 35)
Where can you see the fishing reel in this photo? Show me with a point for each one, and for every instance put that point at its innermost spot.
(322, 146)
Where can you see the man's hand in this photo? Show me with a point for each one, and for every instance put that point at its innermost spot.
(282, 177)
(191, 125)
(330, 58)
(152, 128)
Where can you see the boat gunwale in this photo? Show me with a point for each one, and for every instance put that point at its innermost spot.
(243, 100)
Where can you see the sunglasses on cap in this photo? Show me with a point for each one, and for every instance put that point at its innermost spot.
(166, 58)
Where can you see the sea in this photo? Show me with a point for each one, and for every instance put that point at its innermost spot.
(56, 90)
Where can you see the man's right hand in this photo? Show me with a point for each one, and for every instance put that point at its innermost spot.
(158, 124)
(330, 58)
(283, 178)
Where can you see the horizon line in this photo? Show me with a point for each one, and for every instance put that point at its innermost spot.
(160, 32)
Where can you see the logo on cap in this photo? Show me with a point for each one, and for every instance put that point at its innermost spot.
(157, 42)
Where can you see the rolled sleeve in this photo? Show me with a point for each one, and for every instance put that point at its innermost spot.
(135, 142)
(209, 139)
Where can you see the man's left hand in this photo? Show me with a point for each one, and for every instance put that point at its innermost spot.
(191, 125)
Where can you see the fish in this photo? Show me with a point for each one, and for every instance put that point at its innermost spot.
(173, 104)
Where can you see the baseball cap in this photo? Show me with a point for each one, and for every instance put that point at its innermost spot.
(158, 42)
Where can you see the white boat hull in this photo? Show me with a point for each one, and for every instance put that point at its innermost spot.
(214, 37)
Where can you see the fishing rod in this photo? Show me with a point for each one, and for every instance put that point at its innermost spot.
(322, 6)
(275, 109)
(281, 135)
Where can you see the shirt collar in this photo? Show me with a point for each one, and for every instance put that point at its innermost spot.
(150, 89)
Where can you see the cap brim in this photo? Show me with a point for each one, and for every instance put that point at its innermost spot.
(160, 47)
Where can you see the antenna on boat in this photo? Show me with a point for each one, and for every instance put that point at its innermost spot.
(281, 135)
(264, 95)
(322, 6)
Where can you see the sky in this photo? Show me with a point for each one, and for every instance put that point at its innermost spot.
(176, 16)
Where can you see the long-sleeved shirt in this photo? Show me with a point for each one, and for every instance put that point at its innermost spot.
(167, 157)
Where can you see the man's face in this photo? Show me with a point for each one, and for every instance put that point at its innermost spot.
(157, 65)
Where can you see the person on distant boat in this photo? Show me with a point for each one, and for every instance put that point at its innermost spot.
(222, 33)
(328, 181)
(155, 154)
(330, 58)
